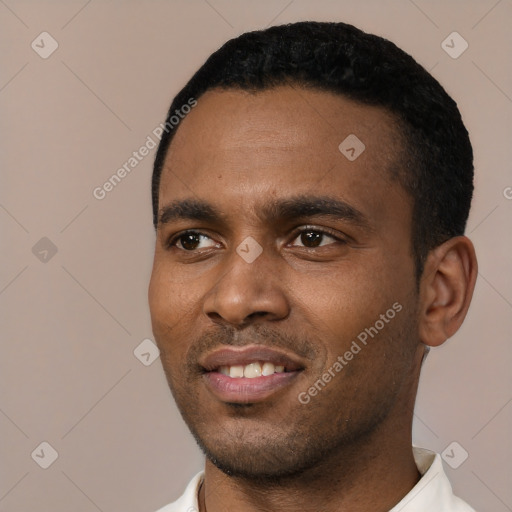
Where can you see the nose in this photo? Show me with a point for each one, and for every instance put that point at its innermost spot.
(245, 292)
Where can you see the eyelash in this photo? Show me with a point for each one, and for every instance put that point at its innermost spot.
(172, 242)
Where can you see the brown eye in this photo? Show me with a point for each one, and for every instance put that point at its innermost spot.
(191, 241)
(311, 238)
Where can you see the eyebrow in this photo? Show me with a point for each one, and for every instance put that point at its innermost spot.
(192, 209)
(273, 211)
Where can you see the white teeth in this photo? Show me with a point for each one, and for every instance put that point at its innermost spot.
(236, 371)
(268, 369)
(252, 370)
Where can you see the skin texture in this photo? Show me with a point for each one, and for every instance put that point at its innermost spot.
(349, 447)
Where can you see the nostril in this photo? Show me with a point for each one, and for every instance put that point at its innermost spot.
(257, 314)
(218, 318)
(215, 316)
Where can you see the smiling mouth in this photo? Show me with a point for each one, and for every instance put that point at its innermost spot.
(251, 370)
(243, 375)
(247, 390)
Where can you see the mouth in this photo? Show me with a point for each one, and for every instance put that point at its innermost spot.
(251, 374)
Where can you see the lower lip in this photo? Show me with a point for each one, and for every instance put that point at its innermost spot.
(244, 390)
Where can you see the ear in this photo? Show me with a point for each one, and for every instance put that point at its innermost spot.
(446, 289)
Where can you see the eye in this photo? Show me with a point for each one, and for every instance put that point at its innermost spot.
(312, 237)
(191, 241)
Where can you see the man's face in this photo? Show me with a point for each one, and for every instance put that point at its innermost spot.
(276, 250)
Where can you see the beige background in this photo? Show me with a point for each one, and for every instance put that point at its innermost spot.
(71, 323)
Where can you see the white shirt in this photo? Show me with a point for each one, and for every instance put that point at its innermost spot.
(433, 493)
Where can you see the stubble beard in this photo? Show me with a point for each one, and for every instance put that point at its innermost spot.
(299, 444)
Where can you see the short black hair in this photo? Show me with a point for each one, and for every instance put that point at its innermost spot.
(437, 164)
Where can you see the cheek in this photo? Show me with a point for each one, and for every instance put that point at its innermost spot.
(168, 305)
(158, 296)
(169, 297)
(346, 294)
(349, 302)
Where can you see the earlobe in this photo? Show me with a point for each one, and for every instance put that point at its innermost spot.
(446, 289)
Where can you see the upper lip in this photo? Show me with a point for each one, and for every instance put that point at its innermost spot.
(234, 356)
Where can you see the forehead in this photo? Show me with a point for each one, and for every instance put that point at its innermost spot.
(241, 147)
(280, 117)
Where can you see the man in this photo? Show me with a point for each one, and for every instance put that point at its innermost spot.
(310, 196)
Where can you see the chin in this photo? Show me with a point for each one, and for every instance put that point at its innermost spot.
(269, 455)
(254, 467)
